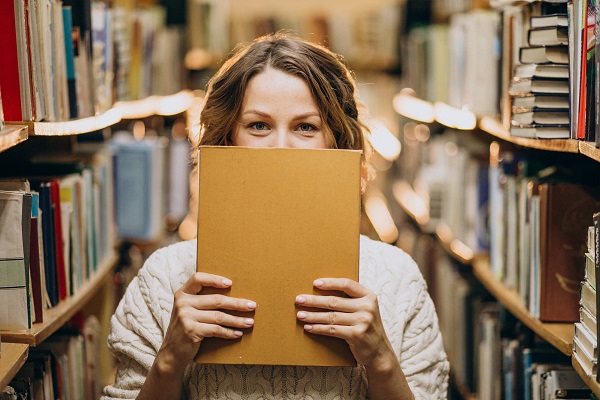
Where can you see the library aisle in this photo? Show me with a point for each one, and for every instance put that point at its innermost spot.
(483, 119)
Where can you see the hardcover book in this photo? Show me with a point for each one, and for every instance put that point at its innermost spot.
(565, 210)
(273, 220)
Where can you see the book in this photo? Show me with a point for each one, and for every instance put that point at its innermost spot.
(596, 226)
(70, 61)
(548, 36)
(139, 171)
(10, 69)
(586, 339)
(530, 103)
(15, 307)
(562, 245)
(542, 71)
(542, 117)
(256, 210)
(544, 54)
(549, 20)
(536, 131)
(524, 87)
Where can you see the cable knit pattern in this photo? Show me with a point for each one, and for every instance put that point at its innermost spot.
(142, 318)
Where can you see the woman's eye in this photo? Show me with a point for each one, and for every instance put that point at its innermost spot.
(259, 126)
(306, 127)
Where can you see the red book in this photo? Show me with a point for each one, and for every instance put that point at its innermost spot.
(58, 234)
(9, 66)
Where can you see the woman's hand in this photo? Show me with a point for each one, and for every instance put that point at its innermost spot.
(355, 319)
(196, 316)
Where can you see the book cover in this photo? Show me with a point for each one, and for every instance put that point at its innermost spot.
(544, 54)
(596, 222)
(542, 71)
(259, 225)
(69, 61)
(537, 131)
(548, 36)
(34, 261)
(15, 307)
(565, 209)
(542, 117)
(9, 67)
(533, 102)
(528, 86)
(549, 20)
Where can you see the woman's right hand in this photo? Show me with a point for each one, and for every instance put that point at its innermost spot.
(196, 316)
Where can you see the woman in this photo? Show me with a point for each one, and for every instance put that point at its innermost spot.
(280, 91)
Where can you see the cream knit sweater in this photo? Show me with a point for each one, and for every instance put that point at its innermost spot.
(142, 318)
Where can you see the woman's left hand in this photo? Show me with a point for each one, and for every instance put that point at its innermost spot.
(355, 319)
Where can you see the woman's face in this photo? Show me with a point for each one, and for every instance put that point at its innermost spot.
(278, 110)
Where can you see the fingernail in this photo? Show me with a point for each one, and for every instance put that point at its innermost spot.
(318, 283)
(248, 321)
(301, 299)
(308, 327)
(301, 314)
(227, 282)
(250, 304)
(238, 333)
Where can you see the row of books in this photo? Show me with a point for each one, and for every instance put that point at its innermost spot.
(214, 27)
(530, 215)
(57, 228)
(74, 59)
(540, 81)
(585, 342)
(490, 353)
(64, 366)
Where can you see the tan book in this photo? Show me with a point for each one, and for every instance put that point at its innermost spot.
(274, 220)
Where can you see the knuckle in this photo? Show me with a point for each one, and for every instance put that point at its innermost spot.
(219, 317)
(347, 283)
(332, 302)
(331, 330)
(219, 300)
(332, 317)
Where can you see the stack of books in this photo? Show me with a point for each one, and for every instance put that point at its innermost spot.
(585, 342)
(540, 86)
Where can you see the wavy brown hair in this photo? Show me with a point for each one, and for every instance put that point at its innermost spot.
(329, 79)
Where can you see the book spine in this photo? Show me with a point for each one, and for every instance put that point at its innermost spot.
(596, 220)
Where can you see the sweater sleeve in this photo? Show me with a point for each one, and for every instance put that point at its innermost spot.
(423, 360)
(141, 319)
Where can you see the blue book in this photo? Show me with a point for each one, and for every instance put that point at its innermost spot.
(70, 61)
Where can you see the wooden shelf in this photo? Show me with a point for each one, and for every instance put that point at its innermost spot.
(12, 358)
(590, 150)
(496, 129)
(589, 381)
(73, 127)
(57, 316)
(156, 105)
(12, 135)
(559, 335)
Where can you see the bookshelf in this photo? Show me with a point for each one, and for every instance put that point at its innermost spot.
(57, 316)
(173, 104)
(12, 358)
(72, 127)
(558, 334)
(12, 135)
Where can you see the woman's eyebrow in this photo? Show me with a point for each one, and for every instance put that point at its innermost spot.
(307, 115)
(257, 112)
